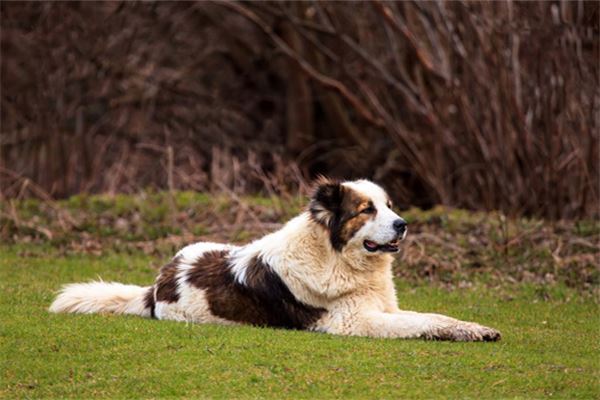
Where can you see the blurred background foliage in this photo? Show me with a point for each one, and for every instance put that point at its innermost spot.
(480, 105)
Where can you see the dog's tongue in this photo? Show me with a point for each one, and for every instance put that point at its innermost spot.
(371, 245)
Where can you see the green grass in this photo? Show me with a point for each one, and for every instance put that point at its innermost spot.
(550, 344)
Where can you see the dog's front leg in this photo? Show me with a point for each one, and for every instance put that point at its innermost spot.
(408, 324)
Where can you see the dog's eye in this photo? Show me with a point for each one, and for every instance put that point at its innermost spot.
(368, 210)
(389, 204)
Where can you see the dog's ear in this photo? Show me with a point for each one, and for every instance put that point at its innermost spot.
(326, 201)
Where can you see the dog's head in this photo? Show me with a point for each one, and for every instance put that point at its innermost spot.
(357, 214)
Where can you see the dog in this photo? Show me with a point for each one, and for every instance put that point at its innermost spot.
(327, 270)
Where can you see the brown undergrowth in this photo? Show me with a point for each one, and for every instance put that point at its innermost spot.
(448, 247)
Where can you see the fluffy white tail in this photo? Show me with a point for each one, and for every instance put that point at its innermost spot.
(97, 297)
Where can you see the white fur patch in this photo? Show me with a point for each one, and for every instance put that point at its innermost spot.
(368, 189)
(268, 248)
(193, 252)
(192, 306)
(95, 297)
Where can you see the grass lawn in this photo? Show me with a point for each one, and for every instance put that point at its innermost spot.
(550, 344)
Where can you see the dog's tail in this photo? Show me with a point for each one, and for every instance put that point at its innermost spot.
(109, 297)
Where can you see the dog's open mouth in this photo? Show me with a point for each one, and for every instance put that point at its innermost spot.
(390, 247)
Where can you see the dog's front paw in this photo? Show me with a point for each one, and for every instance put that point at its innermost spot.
(465, 332)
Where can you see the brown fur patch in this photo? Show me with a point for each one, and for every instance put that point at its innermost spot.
(166, 282)
(149, 301)
(352, 219)
(262, 300)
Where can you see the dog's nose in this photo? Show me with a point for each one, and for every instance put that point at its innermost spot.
(400, 225)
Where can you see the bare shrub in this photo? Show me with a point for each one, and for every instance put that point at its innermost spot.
(483, 105)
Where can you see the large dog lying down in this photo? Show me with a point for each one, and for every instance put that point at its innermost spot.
(327, 270)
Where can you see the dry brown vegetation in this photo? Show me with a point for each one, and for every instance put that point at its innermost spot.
(447, 247)
(481, 105)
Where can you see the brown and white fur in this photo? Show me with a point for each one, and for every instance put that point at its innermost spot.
(327, 270)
